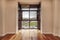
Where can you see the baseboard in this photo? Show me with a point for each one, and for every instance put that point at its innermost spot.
(3, 34)
(47, 32)
(7, 33)
(10, 32)
(56, 35)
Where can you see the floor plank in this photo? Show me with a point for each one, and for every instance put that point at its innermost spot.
(56, 37)
(45, 37)
(0, 38)
(7, 37)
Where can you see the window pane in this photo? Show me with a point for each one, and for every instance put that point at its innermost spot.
(25, 9)
(33, 15)
(33, 24)
(25, 24)
(33, 9)
(25, 15)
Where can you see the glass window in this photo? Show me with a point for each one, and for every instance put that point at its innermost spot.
(33, 9)
(25, 15)
(25, 24)
(33, 24)
(25, 9)
(29, 18)
(33, 15)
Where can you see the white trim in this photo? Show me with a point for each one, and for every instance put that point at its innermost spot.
(7, 33)
(11, 33)
(3, 34)
(56, 34)
(16, 18)
(41, 20)
(51, 33)
(59, 35)
(47, 33)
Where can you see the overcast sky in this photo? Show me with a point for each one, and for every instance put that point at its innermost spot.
(26, 14)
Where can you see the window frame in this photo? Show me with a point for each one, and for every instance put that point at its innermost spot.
(38, 18)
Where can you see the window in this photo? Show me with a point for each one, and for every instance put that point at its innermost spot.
(29, 18)
(25, 15)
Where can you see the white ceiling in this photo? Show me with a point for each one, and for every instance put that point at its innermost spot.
(29, 1)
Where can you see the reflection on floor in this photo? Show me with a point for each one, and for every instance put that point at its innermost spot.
(30, 34)
(27, 34)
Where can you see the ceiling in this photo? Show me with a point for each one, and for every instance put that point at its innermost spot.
(29, 1)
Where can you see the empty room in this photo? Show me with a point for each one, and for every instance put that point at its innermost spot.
(29, 19)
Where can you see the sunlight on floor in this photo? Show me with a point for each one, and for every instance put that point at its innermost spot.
(29, 34)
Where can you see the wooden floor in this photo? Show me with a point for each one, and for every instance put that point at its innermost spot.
(6, 37)
(45, 37)
(51, 37)
(0, 38)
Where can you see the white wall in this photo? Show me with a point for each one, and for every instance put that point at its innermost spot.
(0, 17)
(55, 17)
(59, 17)
(29, 1)
(10, 16)
(2, 11)
(56, 26)
(51, 17)
(47, 16)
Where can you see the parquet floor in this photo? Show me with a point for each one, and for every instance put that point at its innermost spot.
(25, 35)
(6, 37)
(45, 37)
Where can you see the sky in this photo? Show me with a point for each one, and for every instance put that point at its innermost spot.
(25, 14)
